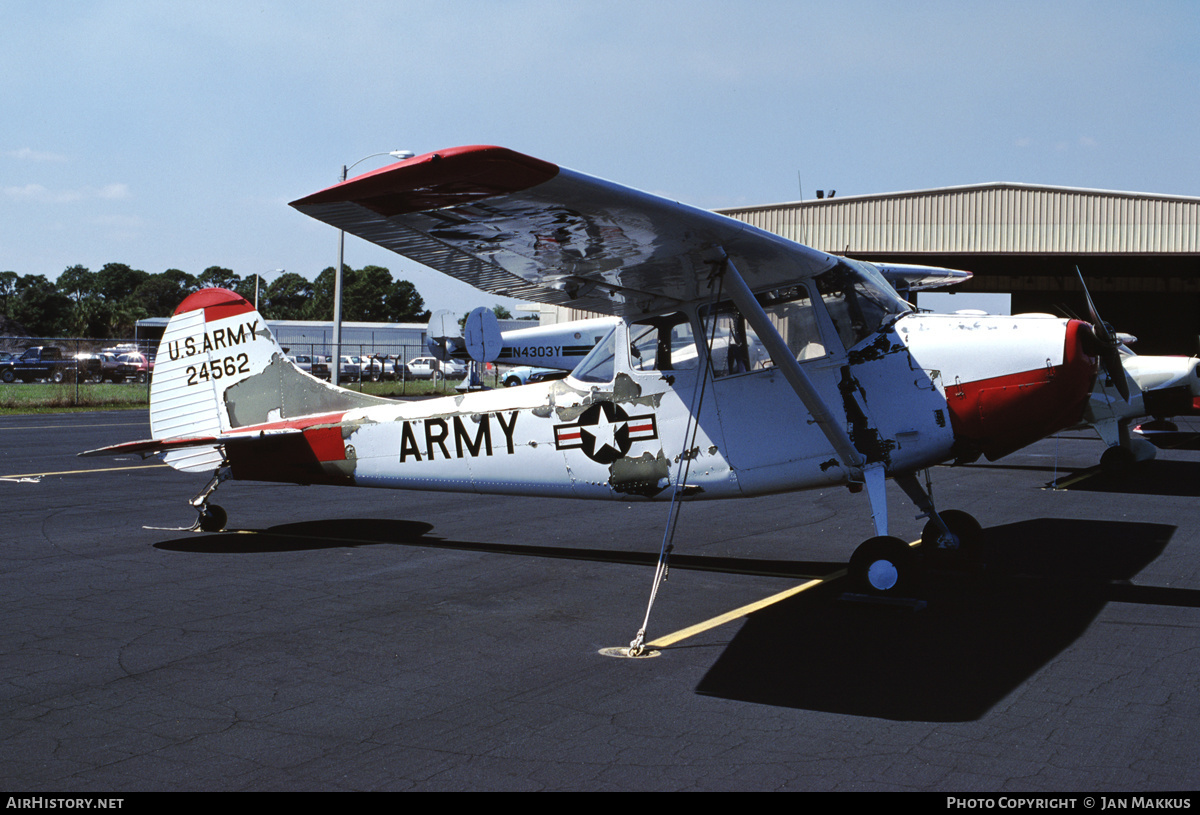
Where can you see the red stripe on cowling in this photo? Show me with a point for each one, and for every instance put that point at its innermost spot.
(1000, 415)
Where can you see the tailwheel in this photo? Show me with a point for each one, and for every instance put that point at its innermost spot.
(212, 518)
(961, 544)
(884, 565)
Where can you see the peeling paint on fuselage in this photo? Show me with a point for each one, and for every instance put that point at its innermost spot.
(281, 391)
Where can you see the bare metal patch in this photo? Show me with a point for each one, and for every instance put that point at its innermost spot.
(282, 392)
(646, 475)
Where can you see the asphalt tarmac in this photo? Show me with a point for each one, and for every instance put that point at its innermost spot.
(340, 639)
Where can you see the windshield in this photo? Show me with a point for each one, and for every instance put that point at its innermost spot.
(858, 300)
(599, 366)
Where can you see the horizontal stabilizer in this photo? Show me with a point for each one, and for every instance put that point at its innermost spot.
(154, 447)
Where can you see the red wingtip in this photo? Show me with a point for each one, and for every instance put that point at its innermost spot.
(457, 175)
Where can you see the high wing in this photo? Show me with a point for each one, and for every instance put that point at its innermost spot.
(520, 227)
(907, 277)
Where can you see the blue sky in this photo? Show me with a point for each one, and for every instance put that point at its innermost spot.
(172, 135)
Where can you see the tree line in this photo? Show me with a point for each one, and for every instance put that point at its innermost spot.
(108, 302)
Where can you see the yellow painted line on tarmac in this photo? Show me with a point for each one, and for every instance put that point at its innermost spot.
(93, 470)
(738, 613)
(1075, 479)
(747, 610)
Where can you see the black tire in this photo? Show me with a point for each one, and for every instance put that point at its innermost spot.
(965, 529)
(884, 565)
(8, 375)
(212, 518)
(1116, 459)
(512, 382)
(58, 376)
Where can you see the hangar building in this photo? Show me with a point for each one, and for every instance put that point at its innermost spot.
(1139, 252)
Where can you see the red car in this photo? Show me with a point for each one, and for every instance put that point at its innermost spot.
(136, 366)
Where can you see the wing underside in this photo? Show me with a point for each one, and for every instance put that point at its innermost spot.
(519, 227)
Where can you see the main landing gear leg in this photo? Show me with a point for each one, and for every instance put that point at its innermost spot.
(950, 533)
(882, 564)
(212, 517)
(889, 566)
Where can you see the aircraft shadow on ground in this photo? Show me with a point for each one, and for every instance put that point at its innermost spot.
(1158, 477)
(342, 533)
(979, 636)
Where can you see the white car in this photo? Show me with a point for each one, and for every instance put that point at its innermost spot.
(426, 367)
(525, 374)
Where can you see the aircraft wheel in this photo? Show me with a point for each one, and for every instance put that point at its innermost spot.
(1115, 459)
(212, 518)
(965, 529)
(883, 565)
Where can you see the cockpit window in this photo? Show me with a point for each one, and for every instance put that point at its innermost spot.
(599, 365)
(736, 347)
(664, 343)
(858, 300)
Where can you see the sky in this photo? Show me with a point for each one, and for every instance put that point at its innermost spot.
(173, 135)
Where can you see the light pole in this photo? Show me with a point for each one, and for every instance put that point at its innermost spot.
(258, 278)
(335, 362)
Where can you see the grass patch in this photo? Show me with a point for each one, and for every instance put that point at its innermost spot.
(40, 397)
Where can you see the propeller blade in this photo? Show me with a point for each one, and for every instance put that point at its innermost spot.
(1110, 353)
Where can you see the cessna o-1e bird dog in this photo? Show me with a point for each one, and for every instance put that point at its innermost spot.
(853, 387)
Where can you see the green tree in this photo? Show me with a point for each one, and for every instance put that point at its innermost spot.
(115, 281)
(286, 297)
(8, 290)
(218, 277)
(77, 282)
(159, 294)
(405, 305)
(40, 306)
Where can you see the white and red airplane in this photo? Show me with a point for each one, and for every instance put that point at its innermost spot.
(850, 387)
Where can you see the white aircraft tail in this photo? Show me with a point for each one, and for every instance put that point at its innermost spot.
(219, 369)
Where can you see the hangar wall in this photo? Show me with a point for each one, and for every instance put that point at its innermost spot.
(1140, 252)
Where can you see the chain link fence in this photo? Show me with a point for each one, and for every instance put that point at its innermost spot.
(84, 371)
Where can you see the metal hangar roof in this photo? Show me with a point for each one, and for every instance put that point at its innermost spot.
(994, 218)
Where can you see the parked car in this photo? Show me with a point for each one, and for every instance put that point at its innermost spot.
(546, 375)
(380, 367)
(136, 366)
(89, 368)
(320, 367)
(350, 370)
(110, 363)
(40, 362)
(426, 367)
(521, 375)
(302, 361)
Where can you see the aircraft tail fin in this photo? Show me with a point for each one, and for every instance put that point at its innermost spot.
(220, 369)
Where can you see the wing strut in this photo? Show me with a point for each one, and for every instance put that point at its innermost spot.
(833, 428)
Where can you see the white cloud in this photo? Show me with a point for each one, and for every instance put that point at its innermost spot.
(40, 194)
(29, 154)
